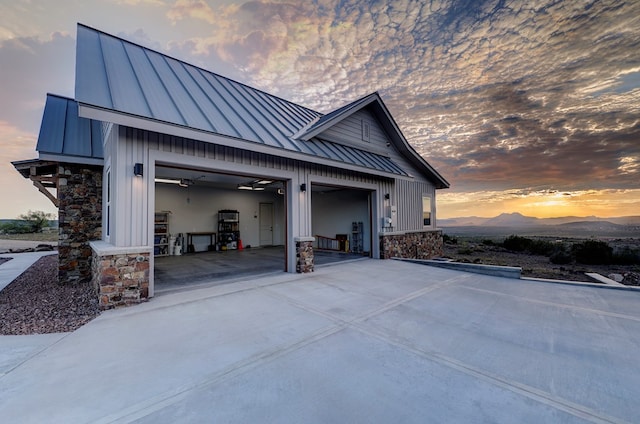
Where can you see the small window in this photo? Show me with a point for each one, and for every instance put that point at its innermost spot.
(366, 131)
(108, 204)
(426, 211)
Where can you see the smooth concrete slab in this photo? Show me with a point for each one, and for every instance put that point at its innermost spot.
(18, 264)
(365, 341)
(14, 350)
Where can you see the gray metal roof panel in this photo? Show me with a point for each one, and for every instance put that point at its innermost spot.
(52, 126)
(91, 73)
(117, 75)
(62, 131)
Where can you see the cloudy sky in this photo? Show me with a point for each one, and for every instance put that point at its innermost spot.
(524, 106)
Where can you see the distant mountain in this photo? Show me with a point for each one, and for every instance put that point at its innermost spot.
(512, 220)
(518, 220)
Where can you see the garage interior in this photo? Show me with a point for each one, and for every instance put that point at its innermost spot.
(213, 228)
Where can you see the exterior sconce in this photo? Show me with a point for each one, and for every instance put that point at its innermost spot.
(303, 187)
(386, 196)
(137, 170)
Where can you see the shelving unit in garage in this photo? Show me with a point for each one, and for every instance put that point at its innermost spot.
(161, 234)
(356, 237)
(228, 228)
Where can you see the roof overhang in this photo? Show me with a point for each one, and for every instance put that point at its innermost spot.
(42, 173)
(144, 123)
(378, 108)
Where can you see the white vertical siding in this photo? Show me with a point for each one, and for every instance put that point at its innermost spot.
(134, 195)
(408, 199)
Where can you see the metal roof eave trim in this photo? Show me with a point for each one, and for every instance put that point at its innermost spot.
(81, 160)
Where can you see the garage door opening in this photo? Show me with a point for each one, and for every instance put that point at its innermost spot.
(340, 223)
(211, 228)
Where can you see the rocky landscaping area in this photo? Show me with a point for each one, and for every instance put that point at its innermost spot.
(34, 303)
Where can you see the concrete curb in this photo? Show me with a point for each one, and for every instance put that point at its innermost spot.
(509, 272)
(493, 270)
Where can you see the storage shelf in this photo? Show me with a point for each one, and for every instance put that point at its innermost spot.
(161, 234)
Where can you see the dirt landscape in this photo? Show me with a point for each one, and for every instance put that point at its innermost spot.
(489, 252)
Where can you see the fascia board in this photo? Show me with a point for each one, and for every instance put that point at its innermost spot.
(133, 121)
(403, 145)
(71, 159)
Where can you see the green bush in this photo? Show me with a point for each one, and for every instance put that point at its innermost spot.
(561, 256)
(15, 227)
(541, 247)
(626, 256)
(516, 243)
(488, 242)
(593, 252)
(465, 249)
(448, 239)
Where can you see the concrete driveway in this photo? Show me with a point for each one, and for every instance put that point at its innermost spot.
(360, 342)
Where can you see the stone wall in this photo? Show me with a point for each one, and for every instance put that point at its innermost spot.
(80, 220)
(412, 245)
(304, 254)
(120, 279)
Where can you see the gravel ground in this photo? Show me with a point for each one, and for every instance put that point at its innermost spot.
(34, 303)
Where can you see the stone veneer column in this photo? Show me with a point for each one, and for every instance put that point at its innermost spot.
(304, 254)
(79, 218)
(411, 245)
(120, 274)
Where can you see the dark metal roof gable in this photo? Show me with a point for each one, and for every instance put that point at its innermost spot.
(374, 103)
(63, 132)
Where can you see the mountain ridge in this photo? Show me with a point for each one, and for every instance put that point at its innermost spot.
(516, 219)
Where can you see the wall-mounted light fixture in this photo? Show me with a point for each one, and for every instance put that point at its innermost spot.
(303, 187)
(386, 196)
(138, 170)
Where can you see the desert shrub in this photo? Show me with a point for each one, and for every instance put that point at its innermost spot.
(516, 243)
(465, 250)
(448, 239)
(488, 242)
(15, 227)
(626, 256)
(561, 256)
(36, 220)
(593, 252)
(541, 247)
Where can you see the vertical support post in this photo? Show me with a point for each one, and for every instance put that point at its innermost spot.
(304, 254)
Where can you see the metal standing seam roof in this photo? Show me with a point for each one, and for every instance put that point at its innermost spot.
(114, 74)
(63, 132)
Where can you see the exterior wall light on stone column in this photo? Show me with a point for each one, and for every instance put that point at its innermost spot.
(138, 170)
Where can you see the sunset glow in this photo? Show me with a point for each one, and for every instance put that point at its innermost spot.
(530, 107)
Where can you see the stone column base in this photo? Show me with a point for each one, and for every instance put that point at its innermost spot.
(304, 254)
(120, 275)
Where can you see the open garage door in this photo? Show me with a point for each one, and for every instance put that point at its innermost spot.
(340, 222)
(212, 227)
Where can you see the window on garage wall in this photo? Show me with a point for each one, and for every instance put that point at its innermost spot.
(426, 211)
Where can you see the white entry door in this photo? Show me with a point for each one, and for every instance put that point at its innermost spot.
(266, 224)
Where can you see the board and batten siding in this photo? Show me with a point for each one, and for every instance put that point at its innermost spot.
(349, 132)
(408, 200)
(131, 199)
